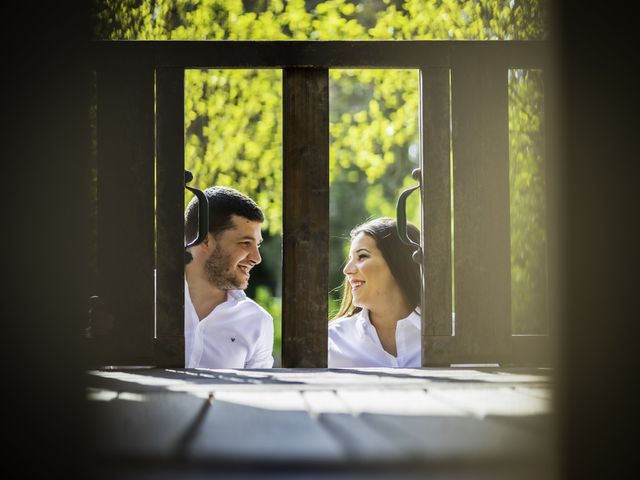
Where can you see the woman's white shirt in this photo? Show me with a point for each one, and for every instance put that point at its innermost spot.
(354, 343)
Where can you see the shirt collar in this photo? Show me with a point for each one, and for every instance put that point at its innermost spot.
(363, 321)
(233, 296)
(414, 319)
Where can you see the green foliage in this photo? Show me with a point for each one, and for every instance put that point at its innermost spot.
(527, 191)
(233, 117)
(245, 106)
(273, 305)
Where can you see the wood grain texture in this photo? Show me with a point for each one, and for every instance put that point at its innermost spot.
(125, 209)
(481, 203)
(305, 217)
(382, 420)
(436, 207)
(315, 54)
(169, 346)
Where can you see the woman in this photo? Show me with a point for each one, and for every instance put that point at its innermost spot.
(378, 324)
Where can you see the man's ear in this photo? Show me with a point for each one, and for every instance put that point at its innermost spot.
(205, 247)
(209, 242)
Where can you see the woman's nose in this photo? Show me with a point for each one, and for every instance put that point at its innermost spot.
(348, 268)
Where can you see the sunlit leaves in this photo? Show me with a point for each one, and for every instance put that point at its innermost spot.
(234, 133)
(527, 185)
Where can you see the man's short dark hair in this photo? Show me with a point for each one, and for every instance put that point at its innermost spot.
(223, 203)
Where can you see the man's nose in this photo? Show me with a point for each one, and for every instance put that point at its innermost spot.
(254, 256)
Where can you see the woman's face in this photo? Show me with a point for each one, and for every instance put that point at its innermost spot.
(368, 273)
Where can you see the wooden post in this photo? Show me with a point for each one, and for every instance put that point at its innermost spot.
(125, 209)
(481, 203)
(169, 343)
(305, 217)
(436, 211)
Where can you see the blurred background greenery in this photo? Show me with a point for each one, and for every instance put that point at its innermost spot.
(233, 120)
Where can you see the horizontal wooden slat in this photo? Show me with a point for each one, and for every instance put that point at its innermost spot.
(325, 54)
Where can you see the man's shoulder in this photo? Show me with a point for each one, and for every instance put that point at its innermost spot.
(250, 305)
(258, 308)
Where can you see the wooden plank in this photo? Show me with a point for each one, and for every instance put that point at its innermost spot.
(498, 400)
(373, 381)
(430, 424)
(436, 210)
(481, 202)
(357, 439)
(125, 209)
(169, 344)
(465, 417)
(263, 426)
(412, 402)
(318, 54)
(157, 425)
(305, 217)
(458, 439)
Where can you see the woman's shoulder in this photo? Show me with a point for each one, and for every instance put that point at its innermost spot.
(345, 324)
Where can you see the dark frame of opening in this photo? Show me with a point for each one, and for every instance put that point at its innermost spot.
(463, 85)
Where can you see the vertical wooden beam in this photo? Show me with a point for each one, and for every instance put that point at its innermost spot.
(125, 208)
(305, 217)
(553, 204)
(481, 202)
(170, 217)
(436, 210)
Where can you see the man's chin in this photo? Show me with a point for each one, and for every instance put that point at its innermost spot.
(230, 284)
(241, 284)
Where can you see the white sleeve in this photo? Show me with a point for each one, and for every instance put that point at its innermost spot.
(263, 353)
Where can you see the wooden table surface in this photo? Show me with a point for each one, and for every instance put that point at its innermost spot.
(449, 423)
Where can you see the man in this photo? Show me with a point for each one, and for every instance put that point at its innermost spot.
(223, 328)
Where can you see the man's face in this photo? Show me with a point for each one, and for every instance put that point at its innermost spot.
(234, 254)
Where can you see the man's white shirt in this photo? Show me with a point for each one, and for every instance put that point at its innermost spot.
(354, 343)
(238, 333)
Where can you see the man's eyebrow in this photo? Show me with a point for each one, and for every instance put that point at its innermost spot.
(249, 237)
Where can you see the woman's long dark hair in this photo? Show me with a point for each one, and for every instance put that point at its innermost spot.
(398, 256)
